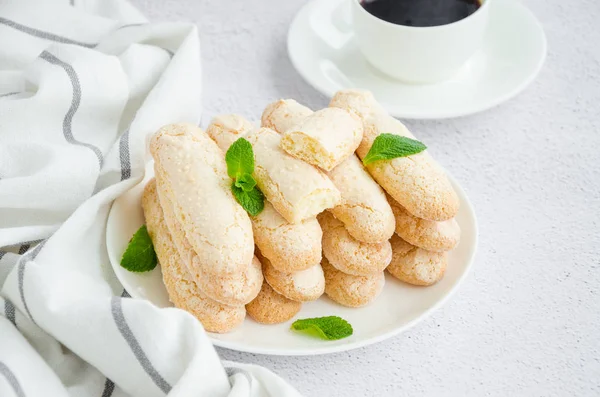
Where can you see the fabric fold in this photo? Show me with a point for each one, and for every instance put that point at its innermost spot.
(81, 89)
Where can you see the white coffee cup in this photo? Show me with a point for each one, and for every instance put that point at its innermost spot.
(419, 54)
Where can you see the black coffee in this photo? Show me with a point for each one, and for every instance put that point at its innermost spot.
(421, 12)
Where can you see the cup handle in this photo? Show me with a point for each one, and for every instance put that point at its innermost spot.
(333, 23)
(342, 17)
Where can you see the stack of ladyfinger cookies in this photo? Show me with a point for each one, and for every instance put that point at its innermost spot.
(329, 225)
(422, 198)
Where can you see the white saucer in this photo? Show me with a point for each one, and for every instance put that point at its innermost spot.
(399, 307)
(322, 48)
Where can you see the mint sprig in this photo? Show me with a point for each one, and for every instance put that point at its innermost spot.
(240, 166)
(239, 159)
(391, 146)
(328, 328)
(139, 255)
(253, 201)
(245, 182)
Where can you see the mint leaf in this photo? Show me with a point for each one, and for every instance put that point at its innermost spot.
(139, 255)
(328, 328)
(239, 159)
(245, 182)
(252, 201)
(390, 146)
(240, 166)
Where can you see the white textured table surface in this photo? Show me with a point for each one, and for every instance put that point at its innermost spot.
(527, 320)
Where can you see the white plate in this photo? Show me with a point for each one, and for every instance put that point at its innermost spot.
(399, 306)
(322, 48)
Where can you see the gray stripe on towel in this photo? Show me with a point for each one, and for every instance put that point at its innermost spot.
(24, 249)
(21, 276)
(34, 252)
(109, 387)
(124, 156)
(12, 380)
(44, 35)
(31, 242)
(67, 131)
(29, 256)
(9, 311)
(9, 94)
(121, 322)
(131, 25)
(60, 39)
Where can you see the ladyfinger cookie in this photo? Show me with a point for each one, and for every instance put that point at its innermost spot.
(303, 286)
(325, 138)
(349, 255)
(183, 292)
(415, 265)
(429, 235)
(349, 290)
(360, 102)
(289, 247)
(417, 182)
(296, 189)
(364, 209)
(196, 182)
(232, 289)
(227, 128)
(283, 114)
(269, 307)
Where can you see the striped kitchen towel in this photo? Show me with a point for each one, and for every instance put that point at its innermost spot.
(82, 86)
